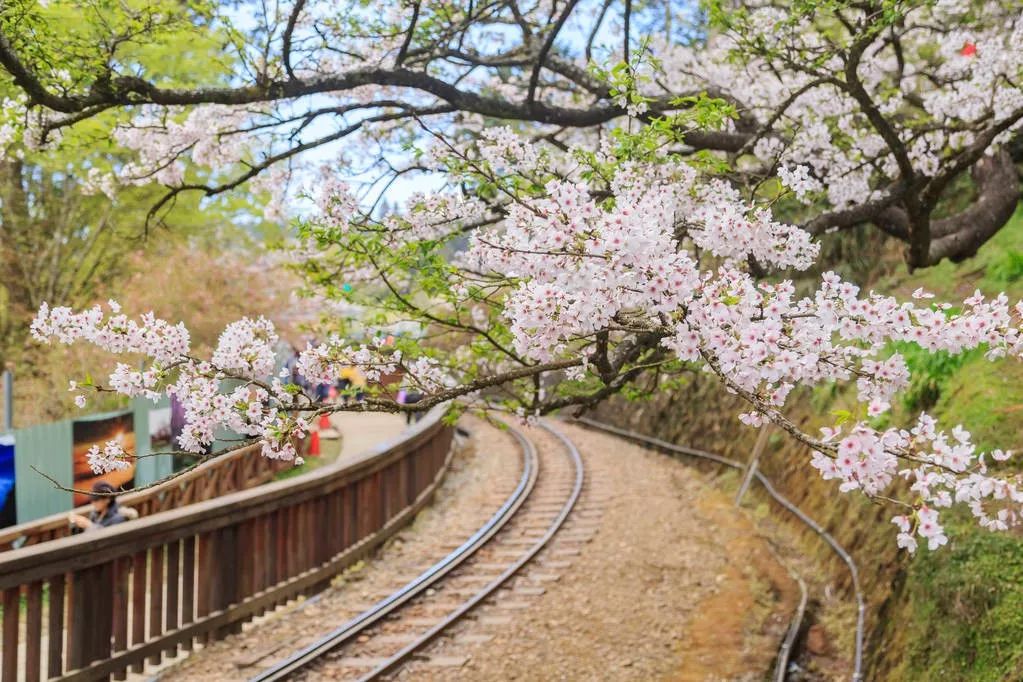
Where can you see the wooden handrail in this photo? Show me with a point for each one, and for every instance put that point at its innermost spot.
(235, 470)
(122, 595)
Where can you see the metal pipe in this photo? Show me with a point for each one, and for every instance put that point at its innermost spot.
(8, 400)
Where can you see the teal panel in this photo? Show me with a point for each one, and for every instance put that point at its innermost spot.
(48, 448)
(149, 467)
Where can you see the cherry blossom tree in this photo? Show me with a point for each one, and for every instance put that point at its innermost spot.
(881, 112)
(624, 227)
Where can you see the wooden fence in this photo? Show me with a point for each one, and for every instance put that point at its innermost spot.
(94, 605)
(237, 470)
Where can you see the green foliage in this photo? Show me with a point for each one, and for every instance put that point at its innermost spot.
(1008, 268)
(454, 412)
(930, 372)
(153, 37)
(966, 608)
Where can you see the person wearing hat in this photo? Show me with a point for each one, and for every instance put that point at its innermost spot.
(105, 511)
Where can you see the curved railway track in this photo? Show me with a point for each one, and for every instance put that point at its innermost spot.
(382, 638)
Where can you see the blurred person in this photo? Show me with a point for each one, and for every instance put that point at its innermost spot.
(352, 379)
(105, 510)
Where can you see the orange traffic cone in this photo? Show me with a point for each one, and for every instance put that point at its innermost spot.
(325, 421)
(314, 444)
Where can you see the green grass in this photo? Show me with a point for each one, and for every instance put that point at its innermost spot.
(960, 613)
(987, 398)
(966, 604)
(930, 373)
(1007, 269)
(964, 610)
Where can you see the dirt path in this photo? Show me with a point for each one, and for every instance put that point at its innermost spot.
(361, 431)
(657, 576)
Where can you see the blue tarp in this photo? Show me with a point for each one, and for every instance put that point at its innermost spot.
(8, 513)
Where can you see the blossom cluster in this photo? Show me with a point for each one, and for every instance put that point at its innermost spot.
(208, 134)
(655, 253)
(633, 258)
(234, 390)
(111, 457)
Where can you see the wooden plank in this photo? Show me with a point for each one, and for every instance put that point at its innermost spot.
(187, 586)
(225, 575)
(91, 616)
(389, 492)
(295, 539)
(78, 590)
(102, 599)
(287, 556)
(307, 540)
(33, 630)
(362, 519)
(55, 628)
(173, 578)
(323, 521)
(12, 613)
(247, 567)
(204, 568)
(156, 587)
(259, 558)
(379, 501)
(121, 606)
(273, 541)
(226, 558)
(139, 599)
(351, 515)
(335, 528)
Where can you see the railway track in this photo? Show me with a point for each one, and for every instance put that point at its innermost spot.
(384, 637)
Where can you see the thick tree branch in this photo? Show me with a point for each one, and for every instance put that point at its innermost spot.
(959, 236)
(866, 212)
(548, 43)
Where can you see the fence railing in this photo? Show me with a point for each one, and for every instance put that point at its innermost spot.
(94, 605)
(237, 470)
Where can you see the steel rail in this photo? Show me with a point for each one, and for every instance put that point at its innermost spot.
(780, 499)
(402, 656)
(352, 628)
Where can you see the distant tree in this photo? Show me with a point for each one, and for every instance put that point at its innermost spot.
(65, 227)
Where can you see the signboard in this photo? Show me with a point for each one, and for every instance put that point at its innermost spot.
(160, 433)
(87, 433)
